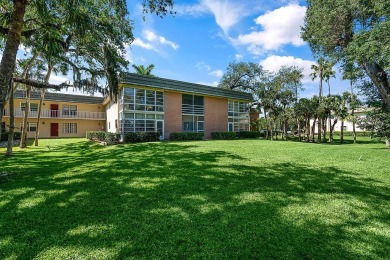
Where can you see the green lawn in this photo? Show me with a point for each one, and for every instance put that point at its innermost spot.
(71, 198)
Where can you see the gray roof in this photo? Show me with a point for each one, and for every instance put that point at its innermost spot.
(60, 97)
(181, 86)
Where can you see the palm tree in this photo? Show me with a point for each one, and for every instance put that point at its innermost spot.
(140, 69)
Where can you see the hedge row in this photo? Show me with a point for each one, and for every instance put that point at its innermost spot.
(109, 138)
(248, 134)
(185, 136)
(350, 133)
(223, 135)
(4, 135)
(141, 137)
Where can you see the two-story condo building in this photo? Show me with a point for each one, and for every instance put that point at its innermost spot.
(144, 104)
(147, 103)
(63, 115)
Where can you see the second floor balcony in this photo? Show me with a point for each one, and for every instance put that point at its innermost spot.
(59, 114)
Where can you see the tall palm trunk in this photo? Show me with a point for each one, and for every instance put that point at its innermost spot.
(23, 141)
(10, 143)
(8, 61)
(43, 91)
(342, 132)
(353, 114)
(331, 130)
(319, 120)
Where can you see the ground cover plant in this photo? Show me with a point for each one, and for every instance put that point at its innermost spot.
(73, 198)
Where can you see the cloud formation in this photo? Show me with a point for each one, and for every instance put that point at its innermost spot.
(274, 62)
(151, 41)
(279, 27)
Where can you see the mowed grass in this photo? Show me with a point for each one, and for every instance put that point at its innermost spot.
(75, 199)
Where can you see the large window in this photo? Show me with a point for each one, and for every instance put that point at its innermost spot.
(69, 128)
(143, 100)
(141, 110)
(238, 116)
(193, 105)
(193, 113)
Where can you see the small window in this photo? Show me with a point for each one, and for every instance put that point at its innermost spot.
(33, 107)
(345, 128)
(32, 126)
(69, 110)
(109, 125)
(69, 128)
(116, 123)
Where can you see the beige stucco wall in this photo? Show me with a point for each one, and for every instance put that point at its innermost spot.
(112, 113)
(215, 115)
(83, 125)
(173, 116)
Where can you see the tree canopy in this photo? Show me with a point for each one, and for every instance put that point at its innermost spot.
(352, 32)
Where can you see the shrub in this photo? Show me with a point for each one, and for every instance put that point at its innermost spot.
(248, 134)
(185, 136)
(350, 133)
(111, 138)
(96, 135)
(4, 135)
(141, 137)
(223, 135)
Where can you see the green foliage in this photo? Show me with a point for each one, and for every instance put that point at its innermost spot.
(142, 70)
(111, 138)
(183, 136)
(358, 133)
(4, 135)
(96, 135)
(248, 134)
(353, 33)
(138, 137)
(223, 135)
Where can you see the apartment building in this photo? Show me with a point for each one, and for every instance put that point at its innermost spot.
(144, 104)
(164, 105)
(63, 115)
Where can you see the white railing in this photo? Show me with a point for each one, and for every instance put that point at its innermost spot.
(192, 109)
(59, 114)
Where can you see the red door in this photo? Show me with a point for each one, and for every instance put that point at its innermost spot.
(54, 129)
(54, 110)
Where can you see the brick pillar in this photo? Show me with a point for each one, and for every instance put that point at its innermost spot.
(173, 115)
(215, 115)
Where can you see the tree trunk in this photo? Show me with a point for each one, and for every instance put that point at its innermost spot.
(10, 143)
(307, 129)
(379, 77)
(353, 114)
(324, 129)
(388, 143)
(342, 132)
(266, 124)
(8, 61)
(331, 130)
(43, 91)
(23, 141)
(313, 129)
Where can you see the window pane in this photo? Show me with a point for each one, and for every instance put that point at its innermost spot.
(198, 100)
(159, 116)
(139, 116)
(140, 96)
(187, 99)
(150, 116)
(128, 95)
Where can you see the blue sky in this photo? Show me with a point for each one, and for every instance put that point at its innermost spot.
(197, 44)
(204, 36)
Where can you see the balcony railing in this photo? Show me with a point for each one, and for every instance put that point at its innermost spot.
(59, 114)
(192, 109)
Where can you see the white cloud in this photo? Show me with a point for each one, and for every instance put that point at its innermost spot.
(153, 37)
(280, 27)
(192, 10)
(152, 41)
(142, 44)
(226, 13)
(238, 57)
(217, 73)
(202, 66)
(58, 80)
(212, 84)
(274, 62)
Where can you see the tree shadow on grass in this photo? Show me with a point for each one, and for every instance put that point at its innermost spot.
(173, 200)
